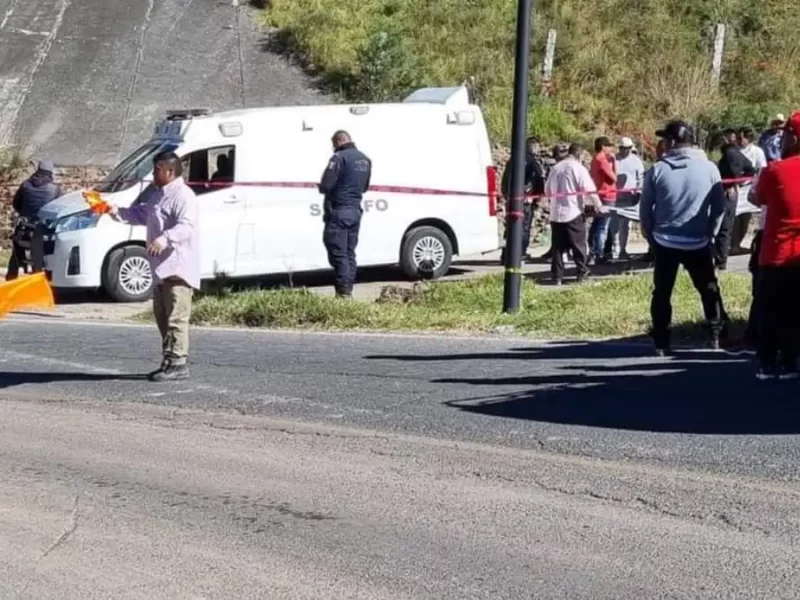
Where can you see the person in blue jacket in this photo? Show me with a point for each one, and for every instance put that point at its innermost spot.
(344, 183)
(771, 141)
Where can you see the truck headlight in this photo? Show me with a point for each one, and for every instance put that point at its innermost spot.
(82, 220)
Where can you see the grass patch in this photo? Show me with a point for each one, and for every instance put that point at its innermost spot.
(609, 70)
(617, 307)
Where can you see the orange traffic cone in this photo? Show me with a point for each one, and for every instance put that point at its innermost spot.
(30, 291)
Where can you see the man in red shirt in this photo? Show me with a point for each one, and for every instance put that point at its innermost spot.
(778, 190)
(604, 175)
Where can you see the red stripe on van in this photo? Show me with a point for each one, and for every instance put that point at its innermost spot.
(388, 189)
(491, 189)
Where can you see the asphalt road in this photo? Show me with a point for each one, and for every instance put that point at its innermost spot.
(356, 466)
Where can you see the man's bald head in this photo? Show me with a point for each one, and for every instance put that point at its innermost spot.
(340, 138)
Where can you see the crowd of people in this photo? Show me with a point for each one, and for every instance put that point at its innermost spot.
(686, 206)
(688, 210)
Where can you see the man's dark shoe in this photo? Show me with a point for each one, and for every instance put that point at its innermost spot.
(170, 372)
(788, 371)
(766, 372)
(750, 339)
(713, 342)
(662, 342)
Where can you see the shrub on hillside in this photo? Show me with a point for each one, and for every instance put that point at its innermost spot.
(617, 62)
(385, 69)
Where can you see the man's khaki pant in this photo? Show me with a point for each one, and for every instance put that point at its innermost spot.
(172, 305)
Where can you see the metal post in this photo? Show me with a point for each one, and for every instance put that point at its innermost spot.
(549, 57)
(719, 48)
(513, 275)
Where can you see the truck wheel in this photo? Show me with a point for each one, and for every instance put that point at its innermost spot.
(426, 253)
(127, 276)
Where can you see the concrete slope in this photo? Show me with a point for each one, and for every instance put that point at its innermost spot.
(85, 80)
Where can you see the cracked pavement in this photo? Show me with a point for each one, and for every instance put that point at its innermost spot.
(303, 465)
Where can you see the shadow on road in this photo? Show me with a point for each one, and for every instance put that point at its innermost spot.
(615, 385)
(10, 379)
(610, 269)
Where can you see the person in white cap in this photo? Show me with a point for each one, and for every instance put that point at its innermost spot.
(630, 173)
(771, 141)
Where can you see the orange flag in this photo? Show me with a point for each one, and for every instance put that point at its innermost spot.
(30, 291)
(95, 201)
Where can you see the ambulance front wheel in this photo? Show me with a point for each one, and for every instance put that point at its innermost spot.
(427, 253)
(127, 276)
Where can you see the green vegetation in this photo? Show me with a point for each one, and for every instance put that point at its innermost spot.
(12, 169)
(614, 307)
(621, 65)
(12, 163)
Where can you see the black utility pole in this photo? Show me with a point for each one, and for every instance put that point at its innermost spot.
(513, 277)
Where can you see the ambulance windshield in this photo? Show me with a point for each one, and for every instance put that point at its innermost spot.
(137, 166)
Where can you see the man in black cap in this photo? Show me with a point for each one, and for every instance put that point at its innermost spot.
(682, 206)
(534, 188)
(733, 166)
(559, 152)
(39, 189)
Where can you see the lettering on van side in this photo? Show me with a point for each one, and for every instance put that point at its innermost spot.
(380, 205)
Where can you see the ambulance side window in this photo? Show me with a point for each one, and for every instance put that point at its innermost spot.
(211, 169)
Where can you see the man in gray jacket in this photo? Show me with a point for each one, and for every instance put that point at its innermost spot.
(681, 211)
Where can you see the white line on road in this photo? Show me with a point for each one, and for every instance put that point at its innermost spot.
(55, 362)
(449, 336)
(84, 367)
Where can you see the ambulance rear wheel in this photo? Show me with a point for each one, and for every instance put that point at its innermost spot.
(427, 253)
(127, 276)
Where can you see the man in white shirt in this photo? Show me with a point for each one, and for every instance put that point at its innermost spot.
(756, 156)
(630, 173)
(570, 189)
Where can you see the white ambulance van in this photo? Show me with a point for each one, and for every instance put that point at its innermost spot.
(255, 172)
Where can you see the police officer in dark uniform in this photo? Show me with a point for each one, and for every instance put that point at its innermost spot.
(344, 183)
